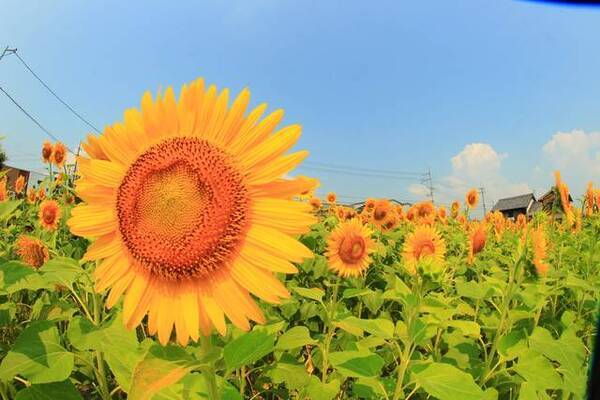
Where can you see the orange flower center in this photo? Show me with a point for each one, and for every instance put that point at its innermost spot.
(182, 208)
(46, 152)
(49, 214)
(379, 214)
(352, 248)
(424, 248)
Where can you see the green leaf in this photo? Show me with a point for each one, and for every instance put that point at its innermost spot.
(7, 208)
(38, 355)
(361, 363)
(468, 328)
(290, 372)
(61, 271)
(383, 328)
(160, 368)
(472, 290)
(318, 390)
(64, 390)
(537, 370)
(298, 336)
(351, 293)
(7, 313)
(447, 382)
(247, 349)
(15, 276)
(111, 335)
(312, 293)
(513, 344)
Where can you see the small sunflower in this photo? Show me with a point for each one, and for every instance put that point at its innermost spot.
(477, 239)
(20, 184)
(521, 221)
(424, 242)
(47, 152)
(441, 214)
(49, 214)
(472, 198)
(539, 247)
(455, 208)
(315, 202)
(31, 195)
(190, 212)
(31, 251)
(381, 212)
(349, 247)
(369, 204)
(425, 209)
(41, 194)
(565, 202)
(411, 214)
(59, 154)
(331, 198)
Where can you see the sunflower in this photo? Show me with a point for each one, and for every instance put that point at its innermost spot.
(589, 199)
(49, 214)
(390, 223)
(369, 204)
(59, 153)
(348, 248)
(381, 212)
(190, 212)
(477, 239)
(31, 195)
(454, 208)
(565, 203)
(472, 198)
(441, 214)
(425, 209)
(411, 213)
(315, 202)
(331, 198)
(47, 156)
(31, 251)
(423, 243)
(3, 190)
(539, 247)
(41, 194)
(400, 212)
(498, 222)
(20, 184)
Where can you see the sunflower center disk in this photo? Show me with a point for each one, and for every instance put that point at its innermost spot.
(424, 249)
(182, 208)
(352, 249)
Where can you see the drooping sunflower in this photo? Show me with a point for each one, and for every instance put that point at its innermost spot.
(349, 247)
(441, 214)
(59, 154)
(189, 211)
(31, 251)
(424, 242)
(49, 214)
(47, 152)
(3, 190)
(589, 199)
(477, 239)
(539, 247)
(20, 184)
(331, 198)
(472, 198)
(31, 195)
(425, 209)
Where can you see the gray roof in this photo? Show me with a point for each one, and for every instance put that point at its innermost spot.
(535, 207)
(511, 203)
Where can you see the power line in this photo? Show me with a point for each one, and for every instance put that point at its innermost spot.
(54, 93)
(35, 121)
(362, 169)
(357, 173)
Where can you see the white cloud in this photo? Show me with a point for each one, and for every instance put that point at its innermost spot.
(477, 159)
(576, 154)
(418, 190)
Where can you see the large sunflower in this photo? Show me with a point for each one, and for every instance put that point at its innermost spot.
(190, 213)
(348, 248)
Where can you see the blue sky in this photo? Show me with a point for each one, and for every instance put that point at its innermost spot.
(485, 93)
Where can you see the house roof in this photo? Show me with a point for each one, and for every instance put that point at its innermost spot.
(511, 203)
(551, 193)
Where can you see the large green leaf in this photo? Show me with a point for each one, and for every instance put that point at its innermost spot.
(160, 368)
(312, 293)
(50, 391)
(38, 355)
(383, 328)
(537, 370)
(15, 276)
(361, 363)
(298, 336)
(248, 348)
(290, 372)
(446, 382)
(318, 390)
(111, 335)
(7, 208)
(61, 271)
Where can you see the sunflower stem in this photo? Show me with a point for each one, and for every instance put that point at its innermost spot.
(101, 371)
(209, 373)
(330, 330)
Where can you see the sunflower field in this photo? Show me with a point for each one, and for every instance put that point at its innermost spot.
(181, 260)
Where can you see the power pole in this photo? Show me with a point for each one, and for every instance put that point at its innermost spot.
(428, 180)
(7, 51)
(482, 192)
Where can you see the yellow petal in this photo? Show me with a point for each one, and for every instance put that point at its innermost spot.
(101, 172)
(104, 246)
(277, 243)
(276, 169)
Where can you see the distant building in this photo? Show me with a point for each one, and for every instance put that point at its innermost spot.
(511, 207)
(548, 200)
(12, 174)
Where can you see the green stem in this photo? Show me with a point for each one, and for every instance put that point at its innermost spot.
(101, 371)
(330, 330)
(209, 373)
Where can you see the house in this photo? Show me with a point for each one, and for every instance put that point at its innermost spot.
(12, 174)
(548, 200)
(511, 207)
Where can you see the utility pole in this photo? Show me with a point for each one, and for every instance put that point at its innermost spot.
(7, 51)
(428, 181)
(482, 192)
